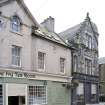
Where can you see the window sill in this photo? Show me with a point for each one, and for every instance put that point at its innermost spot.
(18, 33)
(16, 67)
(41, 70)
(62, 73)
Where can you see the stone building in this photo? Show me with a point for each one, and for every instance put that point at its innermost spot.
(84, 38)
(102, 78)
(35, 63)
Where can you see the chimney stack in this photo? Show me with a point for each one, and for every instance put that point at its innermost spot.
(49, 24)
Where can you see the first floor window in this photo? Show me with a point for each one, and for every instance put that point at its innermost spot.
(16, 55)
(88, 66)
(37, 95)
(41, 60)
(75, 63)
(62, 65)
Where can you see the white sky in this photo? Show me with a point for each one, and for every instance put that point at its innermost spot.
(68, 13)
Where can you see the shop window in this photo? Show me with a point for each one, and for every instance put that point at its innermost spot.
(37, 95)
(1, 95)
(80, 93)
(93, 92)
(80, 89)
(102, 98)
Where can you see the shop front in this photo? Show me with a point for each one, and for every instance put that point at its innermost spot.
(20, 88)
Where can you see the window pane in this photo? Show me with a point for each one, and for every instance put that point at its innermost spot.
(88, 41)
(93, 89)
(41, 60)
(37, 95)
(93, 92)
(75, 63)
(80, 89)
(16, 55)
(15, 27)
(62, 64)
(88, 66)
(14, 60)
(15, 24)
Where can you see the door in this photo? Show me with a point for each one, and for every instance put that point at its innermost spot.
(16, 100)
(87, 93)
(13, 100)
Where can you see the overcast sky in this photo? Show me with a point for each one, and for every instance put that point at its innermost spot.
(68, 13)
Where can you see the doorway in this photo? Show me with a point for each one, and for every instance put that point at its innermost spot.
(17, 94)
(16, 100)
(13, 100)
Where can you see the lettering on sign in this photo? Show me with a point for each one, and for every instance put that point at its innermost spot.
(17, 75)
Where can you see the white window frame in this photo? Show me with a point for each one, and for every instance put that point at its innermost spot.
(64, 64)
(44, 61)
(44, 102)
(13, 56)
(15, 21)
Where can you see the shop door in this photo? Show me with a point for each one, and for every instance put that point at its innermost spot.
(16, 100)
(13, 100)
(87, 92)
(17, 94)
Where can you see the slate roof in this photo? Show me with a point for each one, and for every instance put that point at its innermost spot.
(38, 29)
(72, 32)
(52, 36)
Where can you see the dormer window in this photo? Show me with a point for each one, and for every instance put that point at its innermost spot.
(15, 24)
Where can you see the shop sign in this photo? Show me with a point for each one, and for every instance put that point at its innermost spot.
(17, 75)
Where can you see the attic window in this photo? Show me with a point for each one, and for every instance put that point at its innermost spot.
(15, 24)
